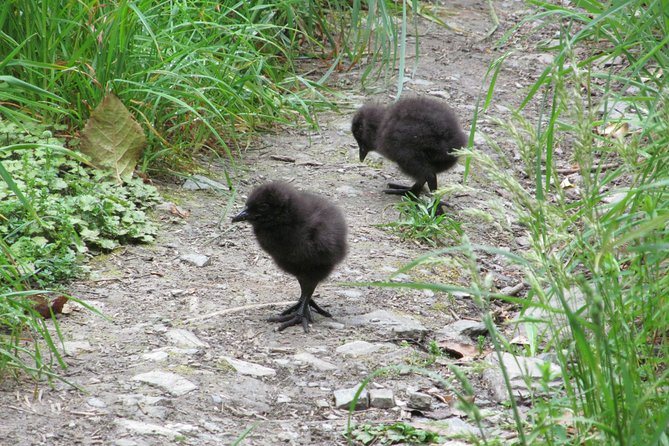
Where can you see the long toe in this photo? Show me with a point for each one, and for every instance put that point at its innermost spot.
(291, 309)
(397, 191)
(296, 319)
(318, 309)
(397, 186)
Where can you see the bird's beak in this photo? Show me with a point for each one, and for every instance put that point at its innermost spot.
(363, 154)
(242, 216)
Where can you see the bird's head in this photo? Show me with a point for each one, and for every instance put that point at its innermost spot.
(364, 127)
(266, 204)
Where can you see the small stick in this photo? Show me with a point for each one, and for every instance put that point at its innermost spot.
(237, 309)
(570, 170)
(285, 159)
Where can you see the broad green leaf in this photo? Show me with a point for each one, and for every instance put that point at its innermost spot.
(113, 139)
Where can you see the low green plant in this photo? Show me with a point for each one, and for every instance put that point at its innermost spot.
(425, 221)
(385, 434)
(53, 209)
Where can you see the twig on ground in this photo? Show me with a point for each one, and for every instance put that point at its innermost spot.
(237, 309)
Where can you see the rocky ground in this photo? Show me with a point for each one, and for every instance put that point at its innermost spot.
(186, 356)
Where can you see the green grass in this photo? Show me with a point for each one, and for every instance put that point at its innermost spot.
(199, 76)
(421, 220)
(606, 242)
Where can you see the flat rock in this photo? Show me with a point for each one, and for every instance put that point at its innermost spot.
(171, 382)
(399, 325)
(419, 400)
(318, 364)
(184, 338)
(343, 398)
(200, 182)
(246, 393)
(463, 329)
(347, 191)
(518, 369)
(167, 430)
(381, 398)
(359, 348)
(76, 348)
(198, 260)
(248, 368)
(156, 356)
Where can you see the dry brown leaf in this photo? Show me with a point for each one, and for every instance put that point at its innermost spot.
(459, 350)
(46, 308)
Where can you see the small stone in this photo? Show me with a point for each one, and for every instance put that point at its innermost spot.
(344, 397)
(198, 260)
(358, 348)
(96, 402)
(381, 398)
(400, 325)
(200, 182)
(282, 399)
(520, 371)
(125, 442)
(322, 404)
(314, 362)
(217, 400)
(461, 330)
(170, 382)
(76, 348)
(248, 368)
(350, 294)
(347, 191)
(168, 430)
(157, 356)
(419, 401)
(184, 338)
(331, 324)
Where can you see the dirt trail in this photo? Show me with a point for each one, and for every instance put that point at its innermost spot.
(173, 320)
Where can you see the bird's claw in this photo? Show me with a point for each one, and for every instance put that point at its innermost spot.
(312, 304)
(294, 318)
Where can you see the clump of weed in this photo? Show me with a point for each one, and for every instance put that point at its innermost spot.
(425, 221)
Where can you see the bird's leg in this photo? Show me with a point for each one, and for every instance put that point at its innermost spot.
(432, 182)
(300, 312)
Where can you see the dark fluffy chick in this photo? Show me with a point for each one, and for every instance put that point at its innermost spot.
(419, 134)
(304, 234)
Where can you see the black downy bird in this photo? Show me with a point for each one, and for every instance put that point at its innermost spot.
(304, 234)
(419, 134)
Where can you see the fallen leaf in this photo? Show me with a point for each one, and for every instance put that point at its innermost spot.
(46, 308)
(113, 139)
(175, 210)
(458, 350)
(616, 129)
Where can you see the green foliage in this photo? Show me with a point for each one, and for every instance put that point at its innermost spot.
(198, 76)
(384, 434)
(72, 209)
(598, 267)
(422, 220)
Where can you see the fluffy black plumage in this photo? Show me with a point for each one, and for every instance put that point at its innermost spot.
(304, 234)
(419, 134)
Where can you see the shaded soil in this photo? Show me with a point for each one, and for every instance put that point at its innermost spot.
(149, 291)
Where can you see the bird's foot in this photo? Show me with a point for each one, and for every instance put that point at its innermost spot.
(400, 189)
(295, 318)
(312, 304)
(298, 314)
(397, 189)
